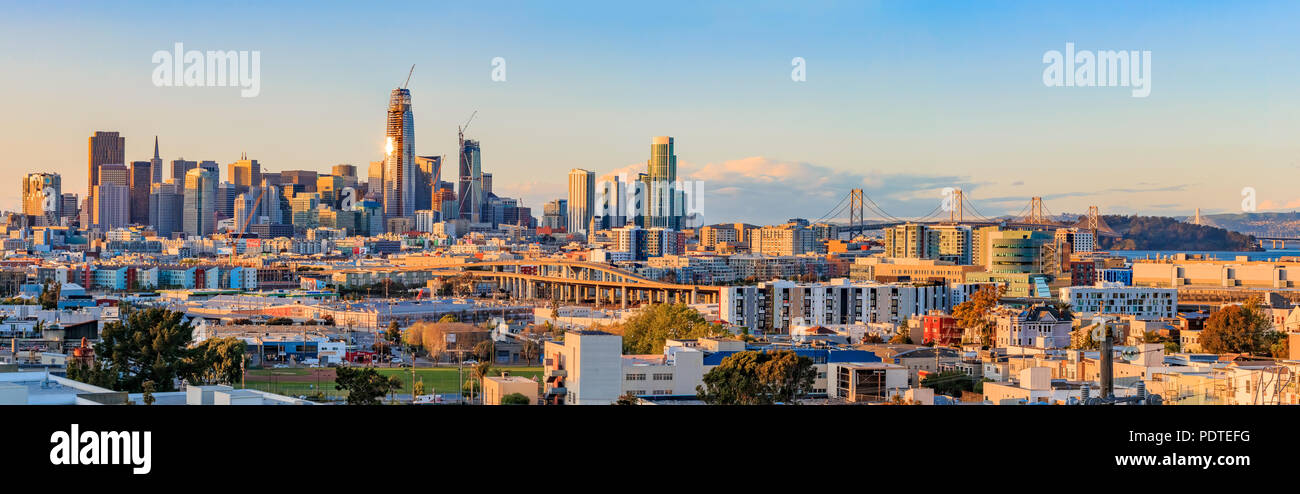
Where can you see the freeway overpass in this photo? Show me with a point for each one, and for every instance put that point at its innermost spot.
(579, 282)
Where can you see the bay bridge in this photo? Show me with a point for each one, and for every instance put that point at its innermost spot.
(955, 209)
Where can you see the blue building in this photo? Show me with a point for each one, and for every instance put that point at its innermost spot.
(1117, 275)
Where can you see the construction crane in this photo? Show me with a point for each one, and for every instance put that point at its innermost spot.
(460, 136)
(408, 76)
(247, 219)
(461, 129)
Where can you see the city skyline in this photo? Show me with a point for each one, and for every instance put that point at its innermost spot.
(875, 111)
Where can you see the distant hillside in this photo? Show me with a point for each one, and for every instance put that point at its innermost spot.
(1163, 233)
(1258, 224)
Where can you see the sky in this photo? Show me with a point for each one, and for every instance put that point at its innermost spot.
(900, 98)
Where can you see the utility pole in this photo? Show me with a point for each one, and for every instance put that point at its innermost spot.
(1107, 364)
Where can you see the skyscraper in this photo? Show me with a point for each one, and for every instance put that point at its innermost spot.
(42, 197)
(200, 202)
(224, 201)
(348, 173)
(156, 164)
(179, 168)
(115, 174)
(244, 173)
(68, 207)
(213, 167)
(112, 205)
(375, 180)
(399, 161)
(661, 172)
(105, 148)
(429, 173)
(582, 192)
(166, 206)
(141, 186)
(471, 181)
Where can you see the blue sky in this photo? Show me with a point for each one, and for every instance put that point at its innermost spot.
(901, 98)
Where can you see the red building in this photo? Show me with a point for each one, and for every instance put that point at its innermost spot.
(940, 326)
(1083, 273)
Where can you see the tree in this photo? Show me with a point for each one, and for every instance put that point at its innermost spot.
(148, 345)
(1238, 329)
(50, 295)
(279, 321)
(973, 314)
(951, 383)
(365, 386)
(1280, 344)
(530, 350)
(515, 399)
(418, 387)
(1081, 338)
(481, 371)
(215, 361)
(646, 331)
(628, 399)
(903, 336)
(394, 333)
(758, 378)
(485, 350)
(1063, 308)
(148, 388)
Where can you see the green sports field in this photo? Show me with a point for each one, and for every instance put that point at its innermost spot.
(304, 381)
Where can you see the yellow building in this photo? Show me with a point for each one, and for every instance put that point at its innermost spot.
(496, 388)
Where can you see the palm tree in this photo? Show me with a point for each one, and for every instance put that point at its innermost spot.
(481, 371)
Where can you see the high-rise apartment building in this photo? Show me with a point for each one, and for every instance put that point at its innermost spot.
(200, 202)
(662, 199)
(399, 159)
(582, 196)
(555, 214)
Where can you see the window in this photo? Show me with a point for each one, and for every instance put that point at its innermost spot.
(636, 377)
(662, 377)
